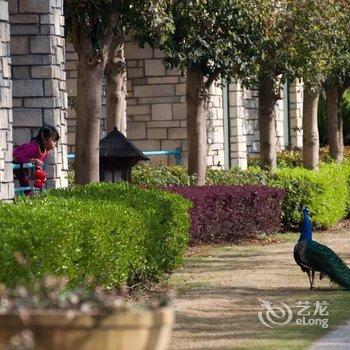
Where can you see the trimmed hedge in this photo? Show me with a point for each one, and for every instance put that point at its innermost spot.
(326, 191)
(160, 175)
(231, 213)
(294, 157)
(103, 234)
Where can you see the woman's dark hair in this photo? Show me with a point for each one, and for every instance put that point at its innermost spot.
(44, 133)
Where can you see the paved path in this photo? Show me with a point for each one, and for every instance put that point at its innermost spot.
(339, 339)
(219, 289)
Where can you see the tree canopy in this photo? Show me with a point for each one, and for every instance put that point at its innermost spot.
(213, 35)
(340, 50)
(319, 44)
(93, 16)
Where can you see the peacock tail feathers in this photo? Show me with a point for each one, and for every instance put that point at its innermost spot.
(323, 259)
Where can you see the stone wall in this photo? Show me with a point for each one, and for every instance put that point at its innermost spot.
(215, 128)
(251, 106)
(156, 111)
(238, 126)
(39, 91)
(156, 108)
(6, 173)
(296, 114)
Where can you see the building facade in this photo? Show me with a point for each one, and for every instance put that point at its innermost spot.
(156, 111)
(6, 174)
(38, 76)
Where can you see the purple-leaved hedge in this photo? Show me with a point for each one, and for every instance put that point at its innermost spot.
(231, 213)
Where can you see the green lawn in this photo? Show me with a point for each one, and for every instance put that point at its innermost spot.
(220, 288)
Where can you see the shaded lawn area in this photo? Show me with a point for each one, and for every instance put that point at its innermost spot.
(219, 291)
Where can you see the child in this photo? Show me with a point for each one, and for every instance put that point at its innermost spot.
(35, 152)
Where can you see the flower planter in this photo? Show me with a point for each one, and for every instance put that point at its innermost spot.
(55, 330)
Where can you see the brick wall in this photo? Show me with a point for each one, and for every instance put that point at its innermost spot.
(238, 126)
(39, 91)
(6, 173)
(156, 108)
(251, 105)
(215, 128)
(296, 114)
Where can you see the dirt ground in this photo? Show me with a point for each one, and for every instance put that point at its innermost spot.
(220, 289)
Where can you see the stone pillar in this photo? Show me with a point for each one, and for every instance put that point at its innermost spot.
(296, 114)
(251, 112)
(39, 88)
(238, 139)
(279, 110)
(215, 128)
(6, 172)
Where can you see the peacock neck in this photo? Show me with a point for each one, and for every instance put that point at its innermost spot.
(306, 229)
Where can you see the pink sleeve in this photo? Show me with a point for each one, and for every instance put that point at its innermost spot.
(24, 153)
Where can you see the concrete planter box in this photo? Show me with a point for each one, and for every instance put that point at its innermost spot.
(54, 330)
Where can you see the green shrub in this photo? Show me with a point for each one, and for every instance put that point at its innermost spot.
(235, 176)
(286, 158)
(294, 157)
(163, 215)
(106, 234)
(325, 192)
(160, 175)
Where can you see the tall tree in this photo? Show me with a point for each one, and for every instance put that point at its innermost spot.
(311, 142)
(334, 93)
(277, 25)
(208, 40)
(283, 23)
(339, 79)
(317, 51)
(96, 28)
(90, 27)
(298, 36)
(116, 91)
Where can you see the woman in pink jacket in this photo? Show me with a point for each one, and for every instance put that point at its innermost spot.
(35, 152)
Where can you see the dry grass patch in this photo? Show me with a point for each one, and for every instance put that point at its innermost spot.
(219, 293)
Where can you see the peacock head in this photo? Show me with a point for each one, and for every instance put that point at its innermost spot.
(306, 211)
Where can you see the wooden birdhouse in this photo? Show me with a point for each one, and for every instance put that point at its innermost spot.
(117, 156)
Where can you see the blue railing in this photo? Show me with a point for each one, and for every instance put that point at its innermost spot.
(175, 152)
(71, 156)
(20, 190)
(23, 166)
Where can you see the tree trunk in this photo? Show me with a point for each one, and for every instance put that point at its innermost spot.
(267, 123)
(335, 122)
(311, 142)
(89, 89)
(116, 87)
(196, 95)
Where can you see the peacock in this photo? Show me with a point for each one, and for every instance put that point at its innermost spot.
(313, 257)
